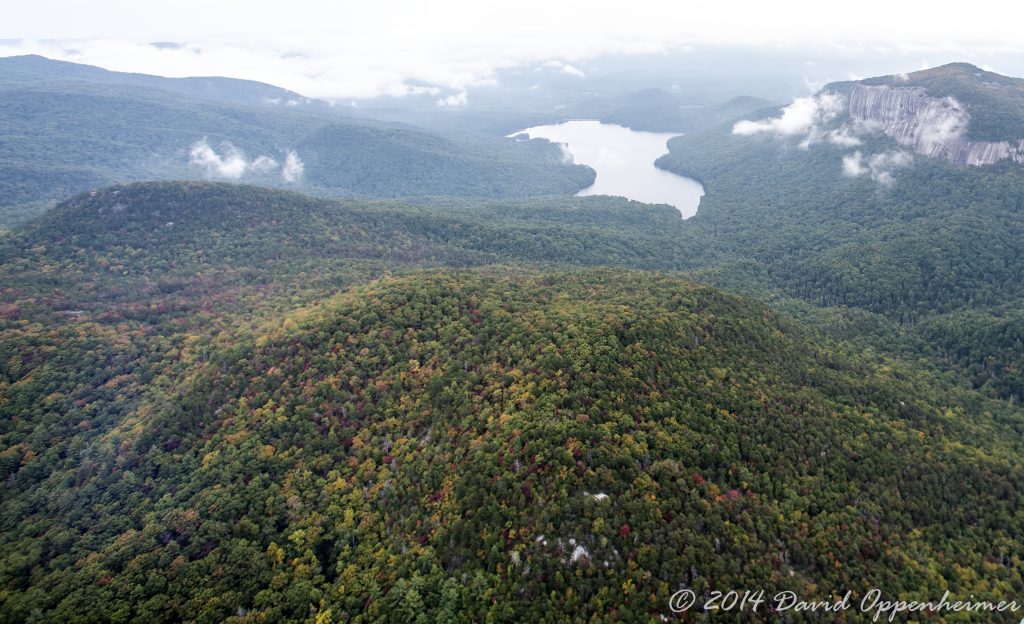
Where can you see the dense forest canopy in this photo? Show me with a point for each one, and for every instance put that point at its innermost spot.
(418, 443)
(583, 442)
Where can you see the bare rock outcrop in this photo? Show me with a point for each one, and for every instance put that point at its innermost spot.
(931, 126)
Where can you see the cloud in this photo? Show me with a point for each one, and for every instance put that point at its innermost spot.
(263, 164)
(332, 67)
(572, 71)
(394, 22)
(565, 68)
(813, 86)
(802, 117)
(293, 168)
(231, 165)
(454, 101)
(567, 157)
(879, 167)
(843, 137)
(853, 165)
(347, 50)
(942, 121)
(808, 118)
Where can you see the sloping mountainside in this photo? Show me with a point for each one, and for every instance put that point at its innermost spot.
(421, 164)
(957, 112)
(859, 222)
(70, 128)
(658, 110)
(234, 404)
(995, 103)
(150, 233)
(35, 69)
(485, 447)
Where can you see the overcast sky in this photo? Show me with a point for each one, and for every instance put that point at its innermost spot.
(361, 49)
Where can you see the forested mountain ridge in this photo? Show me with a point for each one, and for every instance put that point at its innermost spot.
(159, 230)
(954, 233)
(69, 128)
(658, 110)
(37, 69)
(160, 241)
(473, 446)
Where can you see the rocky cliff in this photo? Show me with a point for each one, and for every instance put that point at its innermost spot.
(932, 126)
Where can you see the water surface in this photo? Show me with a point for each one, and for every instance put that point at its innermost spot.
(624, 162)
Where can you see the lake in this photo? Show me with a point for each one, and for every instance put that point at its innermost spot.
(624, 162)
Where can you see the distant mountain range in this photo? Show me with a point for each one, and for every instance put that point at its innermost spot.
(69, 127)
(40, 71)
(659, 110)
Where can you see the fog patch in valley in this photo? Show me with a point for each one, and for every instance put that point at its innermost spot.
(231, 162)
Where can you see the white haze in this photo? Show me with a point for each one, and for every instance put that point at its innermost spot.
(233, 164)
(344, 50)
(879, 167)
(293, 168)
(802, 117)
(948, 122)
(454, 101)
(809, 119)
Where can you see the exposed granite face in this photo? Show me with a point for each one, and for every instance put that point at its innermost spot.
(931, 126)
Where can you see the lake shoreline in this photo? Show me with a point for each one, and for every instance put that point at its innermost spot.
(624, 160)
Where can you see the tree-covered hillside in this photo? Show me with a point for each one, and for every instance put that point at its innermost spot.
(39, 70)
(658, 110)
(66, 130)
(405, 162)
(165, 239)
(470, 447)
(928, 238)
(146, 233)
(955, 234)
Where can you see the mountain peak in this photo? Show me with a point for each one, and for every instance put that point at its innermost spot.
(951, 78)
(958, 112)
(32, 69)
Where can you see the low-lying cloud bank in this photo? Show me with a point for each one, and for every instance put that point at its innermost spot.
(233, 164)
(335, 68)
(812, 120)
(566, 68)
(879, 167)
(454, 101)
(293, 168)
(801, 117)
(808, 118)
